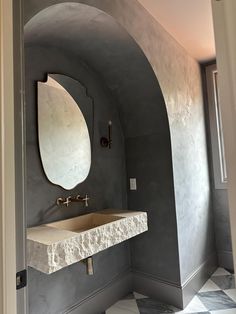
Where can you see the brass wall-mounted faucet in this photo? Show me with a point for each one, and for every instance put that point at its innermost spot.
(79, 198)
(66, 201)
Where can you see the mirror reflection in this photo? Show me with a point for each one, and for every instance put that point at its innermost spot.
(64, 140)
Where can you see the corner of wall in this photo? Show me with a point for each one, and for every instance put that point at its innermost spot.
(197, 279)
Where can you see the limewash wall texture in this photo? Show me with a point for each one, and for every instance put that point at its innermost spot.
(222, 228)
(56, 293)
(179, 78)
(70, 39)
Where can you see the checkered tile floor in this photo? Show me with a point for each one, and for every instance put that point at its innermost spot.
(217, 296)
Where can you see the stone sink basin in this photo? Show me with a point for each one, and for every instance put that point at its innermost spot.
(56, 245)
(84, 222)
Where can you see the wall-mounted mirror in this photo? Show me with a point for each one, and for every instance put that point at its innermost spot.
(64, 139)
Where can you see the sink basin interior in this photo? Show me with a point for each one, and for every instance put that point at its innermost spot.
(84, 222)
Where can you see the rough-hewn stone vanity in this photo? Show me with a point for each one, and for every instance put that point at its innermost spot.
(53, 246)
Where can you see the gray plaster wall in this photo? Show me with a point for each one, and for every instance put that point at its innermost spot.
(180, 81)
(222, 228)
(59, 291)
(154, 254)
(219, 195)
(120, 64)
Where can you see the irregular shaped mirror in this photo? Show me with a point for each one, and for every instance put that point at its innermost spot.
(64, 140)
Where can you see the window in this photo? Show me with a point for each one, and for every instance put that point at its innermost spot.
(216, 129)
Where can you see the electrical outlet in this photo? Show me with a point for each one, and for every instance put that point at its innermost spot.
(133, 184)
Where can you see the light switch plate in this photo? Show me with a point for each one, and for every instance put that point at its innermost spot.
(133, 184)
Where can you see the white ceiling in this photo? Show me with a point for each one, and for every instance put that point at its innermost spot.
(189, 22)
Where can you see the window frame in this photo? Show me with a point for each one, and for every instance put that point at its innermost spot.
(216, 128)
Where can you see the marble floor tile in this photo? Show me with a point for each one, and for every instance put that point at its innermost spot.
(216, 300)
(194, 306)
(232, 294)
(117, 310)
(220, 272)
(124, 306)
(215, 297)
(209, 286)
(139, 296)
(149, 306)
(229, 311)
(199, 313)
(224, 282)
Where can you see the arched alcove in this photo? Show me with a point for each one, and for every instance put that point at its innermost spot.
(90, 46)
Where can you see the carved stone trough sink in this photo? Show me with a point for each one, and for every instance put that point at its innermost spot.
(56, 245)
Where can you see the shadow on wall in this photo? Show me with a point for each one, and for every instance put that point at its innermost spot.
(90, 46)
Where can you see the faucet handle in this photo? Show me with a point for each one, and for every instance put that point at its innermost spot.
(68, 201)
(60, 200)
(64, 201)
(86, 199)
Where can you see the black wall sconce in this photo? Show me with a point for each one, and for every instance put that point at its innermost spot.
(106, 142)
